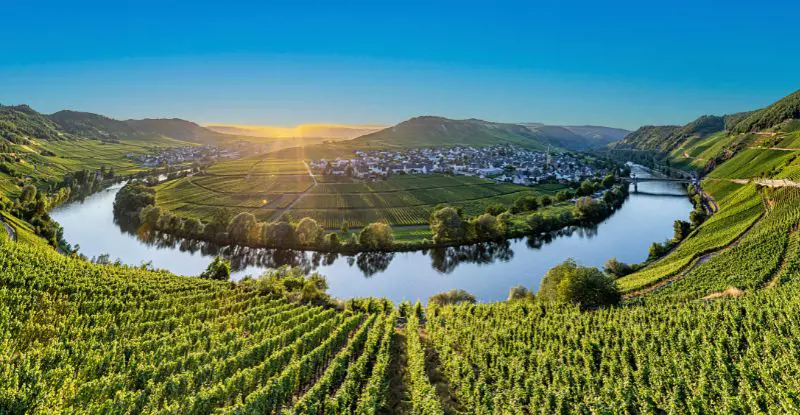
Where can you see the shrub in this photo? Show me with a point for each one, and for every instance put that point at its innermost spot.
(570, 283)
(219, 269)
(456, 296)
(376, 236)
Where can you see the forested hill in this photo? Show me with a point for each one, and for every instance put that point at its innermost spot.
(781, 116)
(20, 122)
(426, 131)
(178, 129)
(777, 115)
(86, 124)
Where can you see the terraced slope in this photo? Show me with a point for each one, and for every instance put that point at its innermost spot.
(82, 338)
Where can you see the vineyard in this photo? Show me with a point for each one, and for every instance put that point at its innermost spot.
(270, 189)
(84, 338)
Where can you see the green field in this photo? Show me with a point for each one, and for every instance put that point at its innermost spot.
(270, 188)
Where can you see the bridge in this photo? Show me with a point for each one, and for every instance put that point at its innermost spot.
(635, 179)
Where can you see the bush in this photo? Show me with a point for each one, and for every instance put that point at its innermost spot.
(488, 227)
(309, 233)
(279, 234)
(570, 283)
(457, 296)
(219, 269)
(617, 268)
(520, 293)
(376, 236)
(243, 228)
(495, 209)
(447, 225)
(292, 284)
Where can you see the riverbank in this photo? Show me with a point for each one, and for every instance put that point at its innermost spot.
(486, 270)
(136, 207)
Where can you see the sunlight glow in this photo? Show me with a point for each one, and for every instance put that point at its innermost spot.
(340, 131)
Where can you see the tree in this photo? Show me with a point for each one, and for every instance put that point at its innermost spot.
(525, 204)
(279, 234)
(332, 240)
(657, 250)
(488, 227)
(452, 297)
(520, 293)
(193, 227)
(589, 209)
(309, 233)
(681, 229)
(28, 194)
(586, 188)
(564, 195)
(535, 222)
(697, 217)
(219, 269)
(546, 200)
(345, 228)
(617, 268)
(569, 282)
(150, 215)
(608, 181)
(495, 209)
(376, 236)
(292, 284)
(243, 228)
(447, 225)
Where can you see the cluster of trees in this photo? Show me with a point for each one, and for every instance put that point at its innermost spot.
(136, 202)
(448, 225)
(32, 206)
(292, 284)
(569, 282)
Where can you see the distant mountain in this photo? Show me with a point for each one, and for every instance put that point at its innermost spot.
(178, 129)
(426, 131)
(603, 135)
(21, 122)
(576, 137)
(783, 110)
(89, 125)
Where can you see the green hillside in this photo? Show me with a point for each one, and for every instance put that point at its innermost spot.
(431, 131)
(709, 326)
(786, 109)
(179, 129)
(88, 125)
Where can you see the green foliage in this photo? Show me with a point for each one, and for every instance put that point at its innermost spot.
(455, 296)
(448, 225)
(376, 236)
(219, 269)
(570, 283)
(784, 109)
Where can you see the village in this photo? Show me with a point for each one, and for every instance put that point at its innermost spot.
(178, 155)
(506, 163)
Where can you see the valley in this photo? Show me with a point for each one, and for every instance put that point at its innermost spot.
(700, 318)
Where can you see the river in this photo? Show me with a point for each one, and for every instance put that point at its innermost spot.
(485, 270)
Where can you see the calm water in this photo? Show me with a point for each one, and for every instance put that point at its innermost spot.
(486, 270)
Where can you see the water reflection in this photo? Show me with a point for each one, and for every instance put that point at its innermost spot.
(486, 270)
(444, 260)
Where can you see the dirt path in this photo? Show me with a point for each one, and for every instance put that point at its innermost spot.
(398, 400)
(11, 232)
(768, 182)
(695, 263)
(279, 212)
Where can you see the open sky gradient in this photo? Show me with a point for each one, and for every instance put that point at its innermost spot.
(285, 63)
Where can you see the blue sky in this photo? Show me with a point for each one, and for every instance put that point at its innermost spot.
(284, 63)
